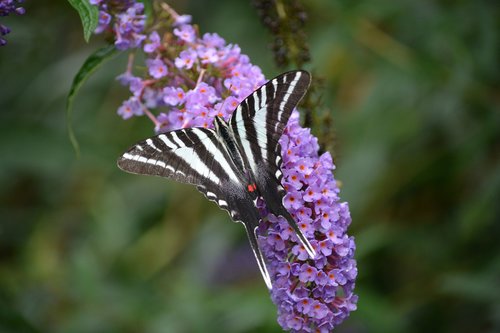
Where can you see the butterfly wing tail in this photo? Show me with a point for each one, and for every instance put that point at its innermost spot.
(252, 237)
(241, 209)
(274, 195)
(280, 210)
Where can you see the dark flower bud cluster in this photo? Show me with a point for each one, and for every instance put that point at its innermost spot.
(8, 7)
(285, 19)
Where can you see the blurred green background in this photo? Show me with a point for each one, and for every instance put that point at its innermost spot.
(412, 88)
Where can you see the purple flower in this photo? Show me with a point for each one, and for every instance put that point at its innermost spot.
(125, 18)
(182, 19)
(299, 250)
(156, 68)
(131, 107)
(292, 323)
(307, 273)
(319, 310)
(135, 83)
(177, 118)
(186, 59)
(104, 21)
(304, 305)
(312, 193)
(325, 247)
(186, 33)
(153, 44)
(231, 103)
(206, 93)
(213, 40)
(208, 55)
(132, 20)
(8, 7)
(276, 241)
(152, 98)
(162, 123)
(11, 6)
(293, 200)
(173, 96)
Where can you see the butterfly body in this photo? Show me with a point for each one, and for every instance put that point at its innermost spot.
(227, 140)
(236, 162)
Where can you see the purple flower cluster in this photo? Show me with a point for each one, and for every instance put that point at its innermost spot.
(187, 81)
(311, 295)
(194, 78)
(196, 103)
(7, 7)
(125, 18)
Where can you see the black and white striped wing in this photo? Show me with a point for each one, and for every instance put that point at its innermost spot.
(195, 156)
(190, 156)
(258, 123)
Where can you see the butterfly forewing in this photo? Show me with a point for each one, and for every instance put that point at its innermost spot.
(261, 118)
(189, 156)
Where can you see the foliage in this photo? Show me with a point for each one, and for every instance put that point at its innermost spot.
(89, 15)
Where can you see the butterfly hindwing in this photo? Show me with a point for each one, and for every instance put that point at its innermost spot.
(241, 207)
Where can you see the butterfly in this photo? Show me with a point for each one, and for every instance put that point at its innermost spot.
(235, 163)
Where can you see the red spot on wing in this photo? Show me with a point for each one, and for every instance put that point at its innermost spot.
(251, 187)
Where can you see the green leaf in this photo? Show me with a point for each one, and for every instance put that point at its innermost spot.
(93, 62)
(89, 14)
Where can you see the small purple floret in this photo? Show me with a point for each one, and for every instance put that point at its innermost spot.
(131, 107)
(186, 33)
(156, 68)
(8, 7)
(125, 19)
(153, 42)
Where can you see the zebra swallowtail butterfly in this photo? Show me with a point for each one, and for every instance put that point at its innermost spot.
(236, 162)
